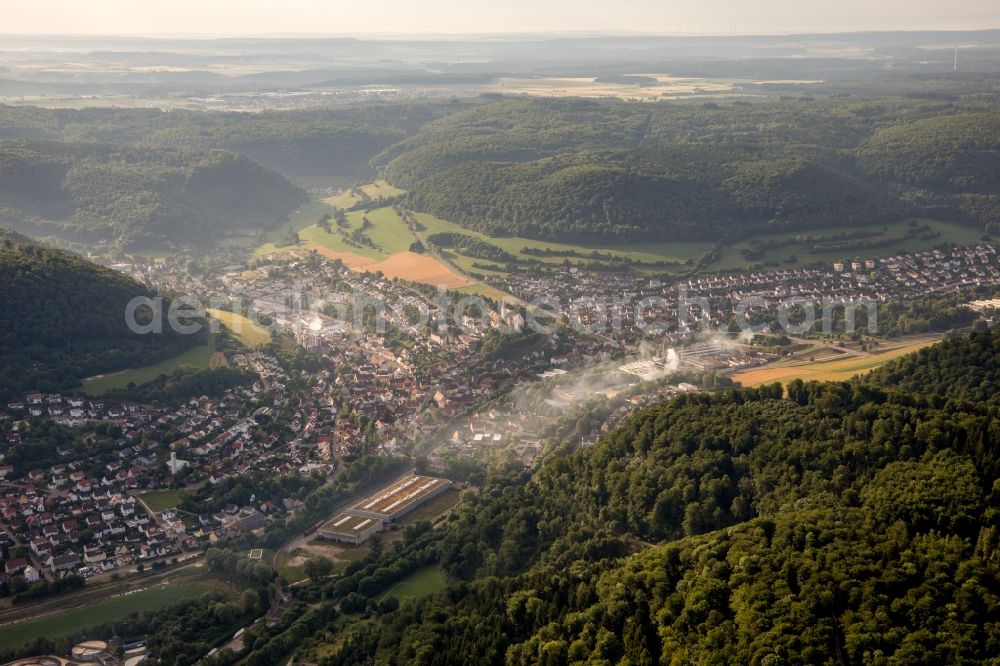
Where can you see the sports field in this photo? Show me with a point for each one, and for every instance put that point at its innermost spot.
(823, 371)
(99, 612)
(242, 328)
(196, 357)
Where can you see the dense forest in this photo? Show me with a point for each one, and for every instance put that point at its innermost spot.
(62, 318)
(608, 171)
(137, 197)
(328, 145)
(965, 368)
(833, 523)
(557, 169)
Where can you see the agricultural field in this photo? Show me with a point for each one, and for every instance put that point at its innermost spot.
(832, 369)
(196, 357)
(161, 500)
(352, 196)
(241, 328)
(307, 214)
(94, 613)
(418, 584)
(676, 255)
(387, 232)
(486, 291)
(666, 258)
(800, 254)
(417, 268)
(585, 86)
(389, 252)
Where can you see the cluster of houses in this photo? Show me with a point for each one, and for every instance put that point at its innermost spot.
(60, 526)
(82, 513)
(72, 410)
(403, 379)
(633, 307)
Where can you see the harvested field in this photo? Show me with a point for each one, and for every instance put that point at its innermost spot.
(837, 370)
(417, 268)
(349, 259)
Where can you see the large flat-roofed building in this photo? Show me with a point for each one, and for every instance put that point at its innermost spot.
(348, 528)
(370, 515)
(395, 501)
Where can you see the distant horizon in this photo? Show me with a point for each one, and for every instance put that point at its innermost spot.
(396, 18)
(541, 34)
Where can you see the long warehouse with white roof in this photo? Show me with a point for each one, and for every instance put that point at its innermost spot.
(385, 506)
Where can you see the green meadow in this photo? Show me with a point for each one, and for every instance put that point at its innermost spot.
(241, 328)
(666, 251)
(418, 584)
(375, 190)
(75, 619)
(943, 232)
(196, 357)
(386, 231)
(161, 500)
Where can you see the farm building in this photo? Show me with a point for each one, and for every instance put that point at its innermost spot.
(398, 499)
(347, 528)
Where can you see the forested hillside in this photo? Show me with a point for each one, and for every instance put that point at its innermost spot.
(627, 196)
(842, 523)
(965, 368)
(599, 171)
(62, 318)
(328, 146)
(137, 197)
(556, 169)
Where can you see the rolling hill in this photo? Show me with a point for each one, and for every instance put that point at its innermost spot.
(615, 197)
(317, 147)
(137, 197)
(844, 523)
(584, 170)
(62, 318)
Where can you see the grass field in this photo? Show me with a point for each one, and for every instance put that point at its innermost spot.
(92, 614)
(161, 500)
(825, 371)
(391, 255)
(950, 232)
(420, 583)
(487, 291)
(291, 566)
(387, 232)
(674, 252)
(242, 328)
(379, 188)
(197, 357)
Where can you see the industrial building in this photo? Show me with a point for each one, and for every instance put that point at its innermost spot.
(347, 528)
(371, 514)
(395, 501)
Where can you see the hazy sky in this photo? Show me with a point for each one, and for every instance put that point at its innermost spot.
(238, 17)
